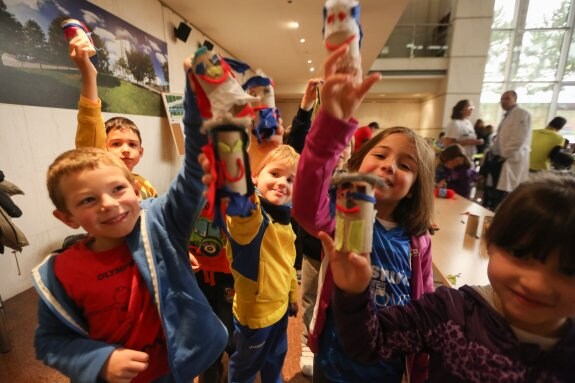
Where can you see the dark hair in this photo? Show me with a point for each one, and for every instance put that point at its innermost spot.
(457, 111)
(536, 220)
(413, 213)
(452, 152)
(373, 125)
(557, 123)
(122, 122)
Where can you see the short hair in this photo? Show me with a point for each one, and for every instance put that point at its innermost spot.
(118, 123)
(373, 125)
(536, 220)
(413, 213)
(557, 123)
(457, 111)
(512, 93)
(78, 160)
(284, 154)
(452, 152)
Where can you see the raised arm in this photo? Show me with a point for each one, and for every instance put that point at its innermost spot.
(90, 131)
(301, 123)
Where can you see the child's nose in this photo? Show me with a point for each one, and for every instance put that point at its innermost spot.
(108, 201)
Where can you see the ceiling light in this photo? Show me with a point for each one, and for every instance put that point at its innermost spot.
(309, 61)
(312, 69)
(302, 40)
(293, 25)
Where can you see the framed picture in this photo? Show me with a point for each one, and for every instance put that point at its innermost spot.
(174, 104)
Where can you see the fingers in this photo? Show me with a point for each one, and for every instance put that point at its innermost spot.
(367, 83)
(332, 59)
(327, 242)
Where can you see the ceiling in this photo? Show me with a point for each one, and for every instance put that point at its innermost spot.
(257, 32)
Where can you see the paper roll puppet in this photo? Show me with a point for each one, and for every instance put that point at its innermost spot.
(341, 26)
(267, 115)
(73, 28)
(218, 92)
(354, 210)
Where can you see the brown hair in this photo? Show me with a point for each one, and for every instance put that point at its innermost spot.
(283, 153)
(77, 160)
(457, 111)
(413, 213)
(119, 123)
(536, 220)
(452, 152)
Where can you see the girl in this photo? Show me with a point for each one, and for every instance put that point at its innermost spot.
(401, 257)
(454, 171)
(518, 329)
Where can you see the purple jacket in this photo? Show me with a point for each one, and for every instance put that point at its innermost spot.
(466, 338)
(326, 140)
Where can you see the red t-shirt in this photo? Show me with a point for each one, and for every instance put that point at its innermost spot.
(108, 288)
(362, 135)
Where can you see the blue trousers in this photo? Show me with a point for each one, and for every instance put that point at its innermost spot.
(261, 350)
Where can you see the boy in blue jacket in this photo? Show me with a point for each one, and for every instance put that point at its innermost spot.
(124, 303)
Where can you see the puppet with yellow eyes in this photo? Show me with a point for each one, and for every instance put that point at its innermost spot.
(341, 26)
(217, 90)
(352, 203)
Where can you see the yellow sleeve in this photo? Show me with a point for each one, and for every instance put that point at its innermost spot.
(244, 229)
(90, 131)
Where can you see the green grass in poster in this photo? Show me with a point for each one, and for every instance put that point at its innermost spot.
(61, 89)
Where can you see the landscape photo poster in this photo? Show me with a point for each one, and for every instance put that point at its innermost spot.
(35, 67)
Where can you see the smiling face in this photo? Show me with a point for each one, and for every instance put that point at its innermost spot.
(103, 202)
(533, 296)
(125, 144)
(275, 182)
(393, 159)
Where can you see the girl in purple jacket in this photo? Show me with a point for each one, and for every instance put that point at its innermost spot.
(517, 329)
(401, 258)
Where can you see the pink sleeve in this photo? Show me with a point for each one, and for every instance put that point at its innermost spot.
(427, 266)
(328, 137)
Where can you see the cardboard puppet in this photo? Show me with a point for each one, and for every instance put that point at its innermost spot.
(73, 28)
(352, 199)
(341, 26)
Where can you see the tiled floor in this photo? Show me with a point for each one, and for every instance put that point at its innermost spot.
(20, 366)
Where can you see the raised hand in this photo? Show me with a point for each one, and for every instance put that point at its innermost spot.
(340, 96)
(310, 93)
(351, 272)
(123, 365)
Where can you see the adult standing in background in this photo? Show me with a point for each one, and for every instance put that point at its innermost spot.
(511, 147)
(543, 141)
(460, 130)
(364, 133)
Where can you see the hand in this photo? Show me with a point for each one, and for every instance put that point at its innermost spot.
(310, 94)
(206, 167)
(194, 262)
(123, 365)
(79, 47)
(340, 96)
(351, 272)
(293, 309)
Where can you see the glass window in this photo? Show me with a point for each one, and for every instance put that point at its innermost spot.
(498, 50)
(503, 14)
(539, 56)
(490, 110)
(547, 13)
(569, 74)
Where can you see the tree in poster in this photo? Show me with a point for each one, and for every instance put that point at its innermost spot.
(57, 44)
(140, 66)
(35, 47)
(10, 32)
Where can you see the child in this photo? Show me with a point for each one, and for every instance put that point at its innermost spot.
(454, 171)
(124, 303)
(118, 135)
(401, 259)
(261, 252)
(518, 329)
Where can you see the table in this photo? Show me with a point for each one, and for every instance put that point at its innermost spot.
(453, 251)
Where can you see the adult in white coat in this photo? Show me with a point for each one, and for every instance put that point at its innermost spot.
(512, 144)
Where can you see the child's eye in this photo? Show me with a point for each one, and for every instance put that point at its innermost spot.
(133, 146)
(405, 166)
(275, 174)
(379, 155)
(86, 201)
(119, 188)
(290, 180)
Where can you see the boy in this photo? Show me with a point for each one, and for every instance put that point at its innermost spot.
(261, 252)
(118, 135)
(124, 303)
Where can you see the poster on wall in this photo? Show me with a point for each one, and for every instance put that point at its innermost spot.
(35, 67)
(174, 104)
